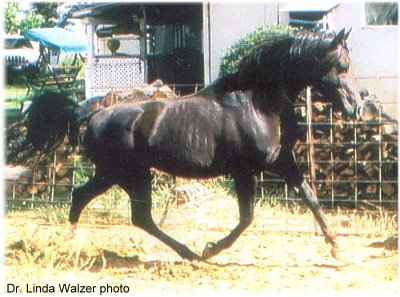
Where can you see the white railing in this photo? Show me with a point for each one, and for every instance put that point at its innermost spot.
(107, 74)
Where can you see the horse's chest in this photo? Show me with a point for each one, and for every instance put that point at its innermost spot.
(262, 140)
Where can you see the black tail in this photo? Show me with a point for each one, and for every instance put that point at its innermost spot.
(50, 118)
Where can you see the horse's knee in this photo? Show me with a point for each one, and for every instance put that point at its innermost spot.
(308, 196)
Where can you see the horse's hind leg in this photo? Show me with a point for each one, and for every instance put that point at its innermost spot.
(245, 186)
(139, 189)
(83, 194)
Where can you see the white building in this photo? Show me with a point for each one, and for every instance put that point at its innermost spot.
(185, 41)
(373, 45)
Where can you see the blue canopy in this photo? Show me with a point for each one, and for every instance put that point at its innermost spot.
(57, 39)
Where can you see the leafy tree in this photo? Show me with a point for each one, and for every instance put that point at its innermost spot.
(11, 22)
(68, 10)
(232, 56)
(31, 21)
(48, 11)
(42, 14)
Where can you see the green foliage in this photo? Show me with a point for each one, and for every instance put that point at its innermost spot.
(83, 170)
(31, 21)
(11, 22)
(42, 14)
(48, 11)
(162, 188)
(56, 214)
(233, 55)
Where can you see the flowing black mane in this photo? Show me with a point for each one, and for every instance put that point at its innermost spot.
(277, 59)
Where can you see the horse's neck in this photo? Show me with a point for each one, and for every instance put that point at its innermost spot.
(279, 101)
(289, 128)
(273, 99)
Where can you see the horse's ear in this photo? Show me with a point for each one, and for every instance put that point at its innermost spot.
(338, 39)
(347, 34)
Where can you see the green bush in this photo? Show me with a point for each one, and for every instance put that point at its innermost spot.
(232, 56)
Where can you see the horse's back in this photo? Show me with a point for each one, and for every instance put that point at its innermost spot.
(193, 137)
(182, 136)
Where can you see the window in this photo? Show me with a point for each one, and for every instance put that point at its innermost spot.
(113, 41)
(381, 13)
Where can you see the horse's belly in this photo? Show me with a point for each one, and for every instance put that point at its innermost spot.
(191, 165)
(190, 171)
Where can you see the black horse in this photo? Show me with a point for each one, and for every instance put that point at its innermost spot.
(240, 125)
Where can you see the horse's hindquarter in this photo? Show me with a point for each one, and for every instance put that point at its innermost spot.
(109, 135)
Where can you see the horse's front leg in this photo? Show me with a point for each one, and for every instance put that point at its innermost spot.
(245, 186)
(287, 167)
(310, 199)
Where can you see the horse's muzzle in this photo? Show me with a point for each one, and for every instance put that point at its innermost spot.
(366, 111)
(349, 104)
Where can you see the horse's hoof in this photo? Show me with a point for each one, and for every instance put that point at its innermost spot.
(71, 233)
(193, 257)
(209, 250)
(339, 255)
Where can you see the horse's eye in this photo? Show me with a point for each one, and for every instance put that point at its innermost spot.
(342, 68)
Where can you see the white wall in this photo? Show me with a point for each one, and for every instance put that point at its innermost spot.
(228, 22)
(374, 53)
(374, 50)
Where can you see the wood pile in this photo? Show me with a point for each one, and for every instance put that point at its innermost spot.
(354, 160)
(144, 92)
(49, 179)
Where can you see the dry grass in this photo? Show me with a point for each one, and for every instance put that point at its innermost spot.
(279, 251)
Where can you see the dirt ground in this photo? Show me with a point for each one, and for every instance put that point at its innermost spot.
(38, 251)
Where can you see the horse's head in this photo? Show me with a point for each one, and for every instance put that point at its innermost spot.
(334, 79)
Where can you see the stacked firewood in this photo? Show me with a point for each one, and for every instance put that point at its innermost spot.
(49, 178)
(155, 90)
(353, 160)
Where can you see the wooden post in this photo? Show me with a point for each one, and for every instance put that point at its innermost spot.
(311, 148)
(310, 140)
(143, 44)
